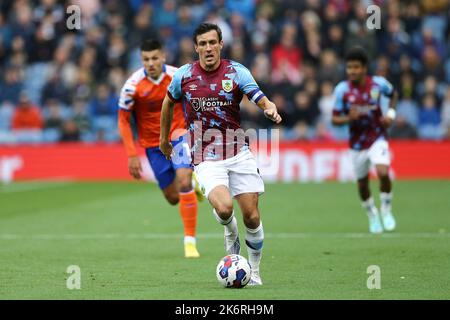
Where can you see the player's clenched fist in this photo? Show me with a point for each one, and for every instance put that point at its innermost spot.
(134, 167)
(166, 148)
(272, 113)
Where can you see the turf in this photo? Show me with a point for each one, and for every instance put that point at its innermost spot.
(127, 241)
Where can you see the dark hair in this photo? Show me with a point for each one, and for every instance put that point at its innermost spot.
(204, 28)
(150, 45)
(357, 53)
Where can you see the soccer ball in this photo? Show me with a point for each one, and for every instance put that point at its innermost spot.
(233, 271)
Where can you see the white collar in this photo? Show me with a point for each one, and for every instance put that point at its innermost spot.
(157, 81)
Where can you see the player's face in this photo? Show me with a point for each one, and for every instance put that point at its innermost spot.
(208, 48)
(153, 62)
(356, 71)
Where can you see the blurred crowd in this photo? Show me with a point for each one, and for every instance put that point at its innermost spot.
(58, 84)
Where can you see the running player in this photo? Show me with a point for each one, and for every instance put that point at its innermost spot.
(142, 97)
(211, 89)
(358, 104)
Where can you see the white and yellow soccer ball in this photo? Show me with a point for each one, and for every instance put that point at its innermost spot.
(233, 271)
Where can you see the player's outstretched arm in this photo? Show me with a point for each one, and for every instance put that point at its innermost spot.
(166, 122)
(134, 164)
(270, 110)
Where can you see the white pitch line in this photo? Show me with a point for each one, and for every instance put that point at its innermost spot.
(157, 236)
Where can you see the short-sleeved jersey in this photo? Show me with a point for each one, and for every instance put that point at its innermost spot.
(143, 96)
(211, 103)
(368, 128)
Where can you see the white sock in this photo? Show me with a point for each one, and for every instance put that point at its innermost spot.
(370, 207)
(386, 202)
(189, 239)
(254, 239)
(230, 224)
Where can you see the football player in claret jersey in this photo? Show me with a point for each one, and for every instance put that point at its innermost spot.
(358, 105)
(142, 97)
(211, 89)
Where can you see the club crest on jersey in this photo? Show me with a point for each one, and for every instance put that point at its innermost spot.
(227, 85)
(195, 103)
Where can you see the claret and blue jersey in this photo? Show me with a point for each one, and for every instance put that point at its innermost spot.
(211, 100)
(367, 98)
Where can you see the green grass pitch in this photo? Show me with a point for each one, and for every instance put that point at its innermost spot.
(127, 242)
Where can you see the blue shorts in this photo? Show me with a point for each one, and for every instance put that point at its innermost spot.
(164, 169)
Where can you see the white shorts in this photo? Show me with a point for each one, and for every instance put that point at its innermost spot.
(239, 174)
(378, 153)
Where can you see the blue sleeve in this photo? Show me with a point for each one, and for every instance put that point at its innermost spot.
(386, 87)
(247, 84)
(174, 89)
(339, 93)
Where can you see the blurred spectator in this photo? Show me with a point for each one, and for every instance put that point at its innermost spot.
(287, 58)
(395, 41)
(103, 110)
(104, 103)
(70, 132)
(185, 54)
(245, 8)
(184, 26)
(409, 110)
(311, 35)
(303, 111)
(261, 68)
(445, 113)
(117, 52)
(402, 129)
(82, 87)
(26, 116)
(383, 67)
(9, 87)
(429, 119)
(44, 41)
(238, 26)
(358, 33)
(81, 116)
(6, 113)
(55, 89)
(142, 26)
(22, 22)
(432, 63)
(335, 39)
(323, 133)
(262, 27)
(165, 15)
(199, 10)
(53, 119)
(237, 53)
(285, 111)
(227, 34)
(329, 69)
(326, 102)
(303, 115)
